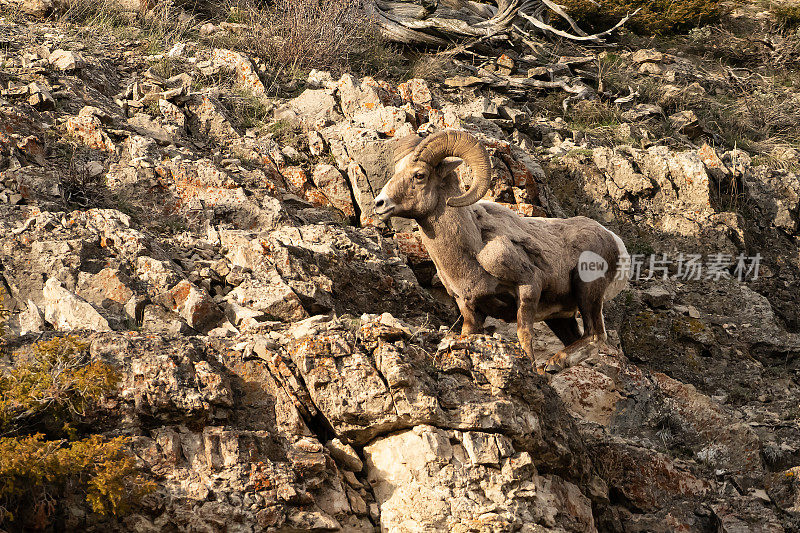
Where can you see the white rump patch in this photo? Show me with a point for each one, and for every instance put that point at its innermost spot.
(621, 278)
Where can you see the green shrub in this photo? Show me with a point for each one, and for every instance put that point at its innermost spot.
(34, 471)
(53, 386)
(284, 132)
(56, 385)
(657, 17)
(247, 110)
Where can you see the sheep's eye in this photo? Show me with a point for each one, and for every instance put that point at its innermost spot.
(419, 176)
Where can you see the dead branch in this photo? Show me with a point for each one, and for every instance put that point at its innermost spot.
(439, 23)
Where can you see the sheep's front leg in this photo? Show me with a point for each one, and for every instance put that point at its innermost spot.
(526, 317)
(473, 319)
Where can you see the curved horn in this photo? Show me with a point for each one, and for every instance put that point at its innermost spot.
(404, 146)
(463, 145)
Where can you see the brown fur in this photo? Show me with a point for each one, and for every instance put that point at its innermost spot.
(497, 263)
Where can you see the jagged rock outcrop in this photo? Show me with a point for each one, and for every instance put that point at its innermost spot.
(288, 364)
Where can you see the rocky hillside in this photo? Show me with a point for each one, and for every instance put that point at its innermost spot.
(288, 364)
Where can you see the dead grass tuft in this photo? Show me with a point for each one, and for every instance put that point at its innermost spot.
(295, 36)
(787, 14)
(159, 27)
(657, 17)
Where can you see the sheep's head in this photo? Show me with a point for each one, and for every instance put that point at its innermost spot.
(420, 166)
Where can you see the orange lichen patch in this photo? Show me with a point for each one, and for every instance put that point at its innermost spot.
(200, 174)
(405, 92)
(505, 61)
(271, 168)
(710, 158)
(114, 288)
(370, 220)
(442, 121)
(317, 198)
(411, 245)
(246, 75)
(106, 285)
(386, 92)
(521, 175)
(416, 91)
(296, 177)
(193, 304)
(180, 293)
(87, 128)
(334, 187)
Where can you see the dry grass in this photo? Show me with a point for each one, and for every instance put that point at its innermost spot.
(657, 17)
(787, 14)
(159, 27)
(756, 113)
(295, 36)
(759, 120)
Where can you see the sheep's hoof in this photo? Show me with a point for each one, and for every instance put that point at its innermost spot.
(555, 364)
(571, 356)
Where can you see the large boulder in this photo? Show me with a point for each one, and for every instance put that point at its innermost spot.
(67, 312)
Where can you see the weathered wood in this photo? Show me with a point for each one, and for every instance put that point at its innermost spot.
(472, 30)
(437, 22)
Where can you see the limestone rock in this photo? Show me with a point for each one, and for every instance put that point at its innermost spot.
(40, 97)
(647, 55)
(209, 118)
(686, 122)
(416, 91)
(313, 108)
(109, 289)
(642, 111)
(31, 320)
(242, 66)
(193, 304)
(270, 296)
(345, 455)
(37, 8)
(66, 312)
(66, 60)
(333, 184)
(356, 96)
(88, 127)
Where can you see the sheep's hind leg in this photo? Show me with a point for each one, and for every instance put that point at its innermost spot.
(566, 329)
(571, 355)
(591, 307)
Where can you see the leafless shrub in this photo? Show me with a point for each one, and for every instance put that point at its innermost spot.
(293, 36)
(159, 26)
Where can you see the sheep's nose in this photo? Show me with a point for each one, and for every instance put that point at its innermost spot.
(379, 202)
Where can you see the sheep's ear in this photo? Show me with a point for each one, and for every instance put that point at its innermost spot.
(448, 165)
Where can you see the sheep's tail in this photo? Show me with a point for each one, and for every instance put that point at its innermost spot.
(623, 274)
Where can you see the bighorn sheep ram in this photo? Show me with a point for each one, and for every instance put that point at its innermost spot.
(495, 262)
